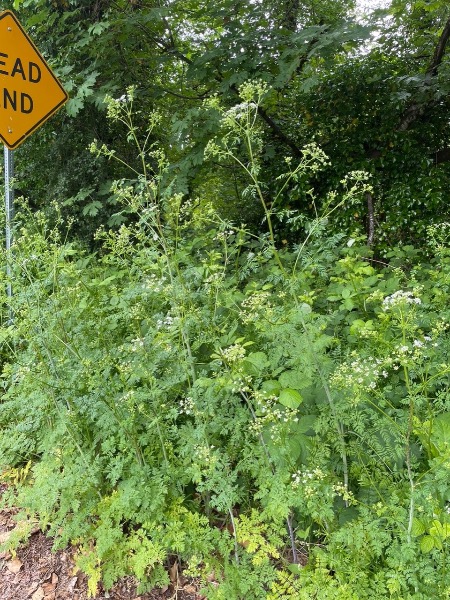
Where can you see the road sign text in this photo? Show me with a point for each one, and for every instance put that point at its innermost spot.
(32, 73)
(29, 91)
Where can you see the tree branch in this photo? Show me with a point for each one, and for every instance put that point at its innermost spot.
(416, 110)
(290, 13)
(439, 51)
(170, 48)
(279, 132)
(441, 156)
(184, 97)
(371, 219)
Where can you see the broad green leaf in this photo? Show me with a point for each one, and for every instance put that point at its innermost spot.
(292, 448)
(293, 567)
(305, 424)
(250, 369)
(108, 280)
(290, 398)
(259, 359)
(348, 304)
(360, 325)
(418, 527)
(440, 530)
(427, 544)
(435, 435)
(92, 208)
(305, 308)
(293, 379)
(73, 106)
(271, 387)
(255, 363)
(440, 433)
(83, 303)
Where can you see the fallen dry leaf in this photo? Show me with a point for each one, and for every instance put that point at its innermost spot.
(173, 573)
(190, 589)
(38, 594)
(4, 536)
(55, 578)
(14, 565)
(73, 582)
(48, 588)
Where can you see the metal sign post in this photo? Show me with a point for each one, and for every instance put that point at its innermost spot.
(31, 93)
(9, 211)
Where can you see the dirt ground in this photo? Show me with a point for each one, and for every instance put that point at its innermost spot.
(36, 573)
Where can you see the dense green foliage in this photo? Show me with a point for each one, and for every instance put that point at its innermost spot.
(192, 390)
(228, 341)
(377, 103)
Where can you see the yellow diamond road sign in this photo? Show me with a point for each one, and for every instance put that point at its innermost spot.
(29, 91)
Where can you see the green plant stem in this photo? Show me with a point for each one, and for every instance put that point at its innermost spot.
(338, 424)
(265, 208)
(272, 468)
(403, 324)
(260, 436)
(187, 345)
(411, 502)
(292, 538)
(236, 547)
(161, 439)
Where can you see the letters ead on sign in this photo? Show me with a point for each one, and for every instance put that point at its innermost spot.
(29, 91)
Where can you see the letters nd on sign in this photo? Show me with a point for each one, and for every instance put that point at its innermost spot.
(10, 98)
(29, 91)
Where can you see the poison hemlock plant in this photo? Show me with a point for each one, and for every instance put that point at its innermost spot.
(247, 406)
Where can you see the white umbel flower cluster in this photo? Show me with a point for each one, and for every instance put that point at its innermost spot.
(399, 298)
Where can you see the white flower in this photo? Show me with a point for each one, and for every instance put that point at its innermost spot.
(187, 406)
(398, 298)
(240, 110)
(136, 344)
